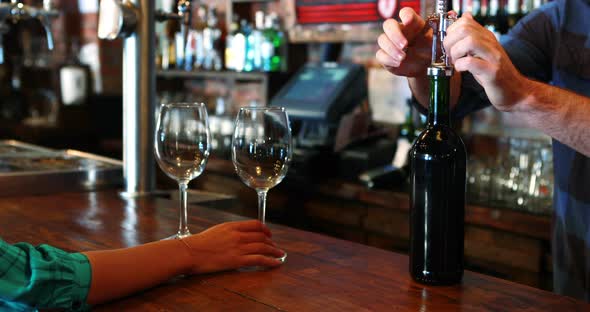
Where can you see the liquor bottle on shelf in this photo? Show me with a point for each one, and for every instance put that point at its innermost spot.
(406, 137)
(466, 6)
(74, 78)
(256, 41)
(201, 25)
(490, 20)
(267, 49)
(456, 6)
(163, 35)
(211, 36)
(230, 55)
(437, 179)
(513, 13)
(169, 43)
(502, 18)
(245, 61)
(275, 35)
(484, 12)
(190, 50)
(179, 49)
(479, 10)
(407, 130)
(526, 7)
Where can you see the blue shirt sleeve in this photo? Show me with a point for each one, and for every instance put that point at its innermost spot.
(42, 277)
(530, 46)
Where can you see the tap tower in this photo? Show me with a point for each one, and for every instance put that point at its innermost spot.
(134, 20)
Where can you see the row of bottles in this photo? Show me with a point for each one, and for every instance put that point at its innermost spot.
(497, 15)
(202, 47)
(259, 48)
(262, 47)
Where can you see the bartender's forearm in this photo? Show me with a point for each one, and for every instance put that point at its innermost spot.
(559, 113)
(120, 272)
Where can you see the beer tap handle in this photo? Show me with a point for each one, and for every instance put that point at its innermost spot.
(17, 11)
(46, 22)
(44, 16)
(116, 19)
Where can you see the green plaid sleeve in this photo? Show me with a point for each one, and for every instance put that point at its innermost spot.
(43, 277)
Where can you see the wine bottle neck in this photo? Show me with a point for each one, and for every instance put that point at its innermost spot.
(440, 93)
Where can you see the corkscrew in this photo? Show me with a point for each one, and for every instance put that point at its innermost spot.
(439, 21)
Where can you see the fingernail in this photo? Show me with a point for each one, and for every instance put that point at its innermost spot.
(399, 57)
(402, 43)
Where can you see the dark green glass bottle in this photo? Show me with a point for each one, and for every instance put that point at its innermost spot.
(437, 191)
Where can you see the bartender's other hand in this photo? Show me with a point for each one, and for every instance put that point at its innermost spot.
(475, 49)
(230, 246)
(405, 48)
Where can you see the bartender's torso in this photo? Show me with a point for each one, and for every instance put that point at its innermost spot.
(552, 44)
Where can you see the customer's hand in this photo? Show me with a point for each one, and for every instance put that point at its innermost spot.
(405, 48)
(475, 49)
(232, 245)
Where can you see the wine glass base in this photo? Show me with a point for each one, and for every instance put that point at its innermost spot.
(177, 236)
(258, 268)
(283, 259)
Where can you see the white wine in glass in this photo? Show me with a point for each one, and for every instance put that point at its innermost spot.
(182, 148)
(262, 150)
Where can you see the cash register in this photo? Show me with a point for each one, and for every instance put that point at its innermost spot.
(317, 98)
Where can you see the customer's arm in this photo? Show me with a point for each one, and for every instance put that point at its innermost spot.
(120, 272)
(42, 277)
(45, 277)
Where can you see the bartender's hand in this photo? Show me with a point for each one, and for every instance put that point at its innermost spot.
(475, 49)
(232, 245)
(405, 48)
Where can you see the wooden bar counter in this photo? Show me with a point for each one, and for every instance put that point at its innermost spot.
(321, 273)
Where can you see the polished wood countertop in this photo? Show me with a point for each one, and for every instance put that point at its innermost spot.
(321, 273)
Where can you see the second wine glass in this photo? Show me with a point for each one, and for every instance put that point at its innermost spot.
(262, 150)
(182, 148)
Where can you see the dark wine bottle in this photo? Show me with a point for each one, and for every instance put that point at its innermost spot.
(437, 187)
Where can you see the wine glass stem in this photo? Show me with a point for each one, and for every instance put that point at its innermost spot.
(183, 226)
(261, 205)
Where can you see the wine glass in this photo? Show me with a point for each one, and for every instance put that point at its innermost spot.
(262, 150)
(182, 148)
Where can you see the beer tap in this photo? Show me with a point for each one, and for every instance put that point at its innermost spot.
(134, 20)
(16, 11)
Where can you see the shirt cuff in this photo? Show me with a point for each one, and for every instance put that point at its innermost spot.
(83, 277)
